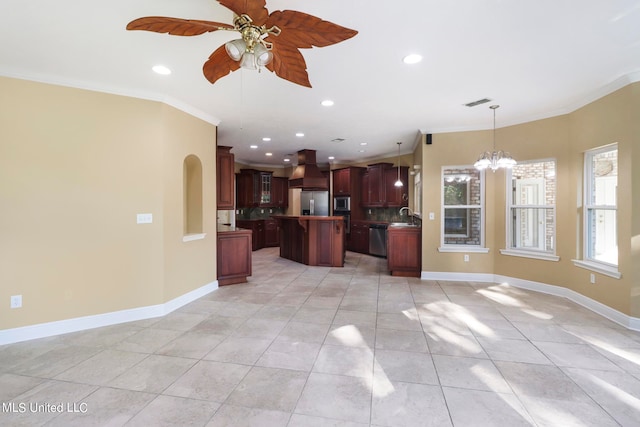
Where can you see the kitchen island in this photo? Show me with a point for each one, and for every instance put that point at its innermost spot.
(312, 240)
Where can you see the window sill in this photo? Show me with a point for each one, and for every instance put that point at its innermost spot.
(598, 268)
(469, 249)
(192, 237)
(530, 254)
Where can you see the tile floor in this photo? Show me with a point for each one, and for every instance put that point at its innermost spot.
(352, 346)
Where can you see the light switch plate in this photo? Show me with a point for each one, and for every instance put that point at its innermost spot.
(144, 218)
(432, 216)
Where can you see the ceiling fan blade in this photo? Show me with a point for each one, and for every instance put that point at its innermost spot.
(219, 65)
(304, 31)
(176, 26)
(289, 64)
(256, 9)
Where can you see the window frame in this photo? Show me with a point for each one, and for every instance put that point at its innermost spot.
(448, 247)
(587, 261)
(510, 248)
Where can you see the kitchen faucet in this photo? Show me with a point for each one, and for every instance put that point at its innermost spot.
(409, 213)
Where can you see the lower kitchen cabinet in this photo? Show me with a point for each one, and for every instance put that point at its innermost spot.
(358, 240)
(271, 233)
(234, 255)
(257, 226)
(404, 251)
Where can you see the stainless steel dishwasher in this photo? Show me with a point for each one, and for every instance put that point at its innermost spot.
(378, 240)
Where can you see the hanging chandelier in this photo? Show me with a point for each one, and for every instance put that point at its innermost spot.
(494, 159)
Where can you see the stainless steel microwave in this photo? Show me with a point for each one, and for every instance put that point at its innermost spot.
(342, 204)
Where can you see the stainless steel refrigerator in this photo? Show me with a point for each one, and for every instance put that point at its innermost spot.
(314, 203)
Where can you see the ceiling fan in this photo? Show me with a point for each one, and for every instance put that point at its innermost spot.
(287, 31)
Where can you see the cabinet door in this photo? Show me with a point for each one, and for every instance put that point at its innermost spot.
(280, 192)
(244, 190)
(376, 186)
(271, 233)
(364, 193)
(342, 182)
(397, 196)
(225, 184)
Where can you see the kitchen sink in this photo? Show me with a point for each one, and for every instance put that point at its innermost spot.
(403, 224)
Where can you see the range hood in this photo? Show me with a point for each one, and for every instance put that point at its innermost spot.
(307, 175)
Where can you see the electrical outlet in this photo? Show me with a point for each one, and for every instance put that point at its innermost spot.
(592, 278)
(466, 257)
(16, 301)
(432, 216)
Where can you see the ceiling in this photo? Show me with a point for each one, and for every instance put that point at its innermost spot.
(535, 59)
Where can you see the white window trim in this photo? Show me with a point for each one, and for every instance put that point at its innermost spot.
(545, 256)
(521, 252)
(590, 263)
(462, 248)
(598, 267)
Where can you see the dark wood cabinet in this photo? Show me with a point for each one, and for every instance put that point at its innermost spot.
(378, 186)
(271, 233)
(364, 190)
(257, 227)
(225, 185)
(396, 196)
(404, 251)
(312, 240)
(359, 237)
(233, 255)
(280, 192)
(254, 188)
(342, 182)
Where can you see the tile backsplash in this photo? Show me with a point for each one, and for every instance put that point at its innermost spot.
(258, 213)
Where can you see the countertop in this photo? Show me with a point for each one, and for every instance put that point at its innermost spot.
(229, 229)
(310, 217)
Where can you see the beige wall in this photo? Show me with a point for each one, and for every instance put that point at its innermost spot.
(565, 138)
(75, 169)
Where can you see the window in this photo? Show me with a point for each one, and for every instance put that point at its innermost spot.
(600, 206)
(531, 213)
(462, 206)
(417, 194)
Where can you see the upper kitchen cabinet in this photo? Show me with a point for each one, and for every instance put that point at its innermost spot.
(346, 181)
(280, 192)
(396, 196)
(225, 178)
(253, 188)
(378, 186)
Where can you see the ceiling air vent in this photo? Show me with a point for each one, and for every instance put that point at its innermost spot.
(478, 102)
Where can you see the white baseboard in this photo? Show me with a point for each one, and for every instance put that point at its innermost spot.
(77, 324)
(622, 319)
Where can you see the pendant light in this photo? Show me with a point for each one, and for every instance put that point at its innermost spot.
(398, 182)
(494, 159)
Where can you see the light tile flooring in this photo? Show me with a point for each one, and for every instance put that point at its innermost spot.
(352, 346)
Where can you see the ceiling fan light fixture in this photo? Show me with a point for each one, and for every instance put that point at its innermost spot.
(235, 49)
(248, 61)
(262, 54)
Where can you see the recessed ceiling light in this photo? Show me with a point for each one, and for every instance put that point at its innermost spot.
(268, 154)
(363, 143)
(161, 69)
(414, 58)
(299, 134)
(331, 158)
(361, 151)
(327, 103)
(253, 146)
(266, 139)
(287, 160)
